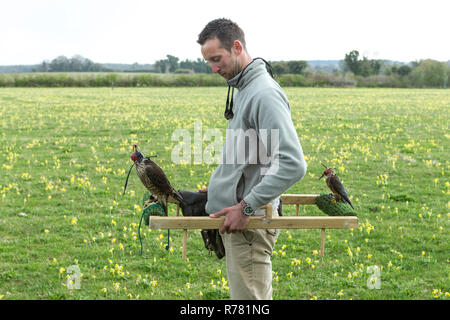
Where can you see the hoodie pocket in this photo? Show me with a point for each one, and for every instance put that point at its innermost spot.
(240, 187)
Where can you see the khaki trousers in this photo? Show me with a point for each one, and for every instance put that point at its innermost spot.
(249, 267)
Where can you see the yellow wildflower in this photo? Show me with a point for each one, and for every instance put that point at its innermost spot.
(349, 252)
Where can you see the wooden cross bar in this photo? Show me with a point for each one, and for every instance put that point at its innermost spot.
(261, 222)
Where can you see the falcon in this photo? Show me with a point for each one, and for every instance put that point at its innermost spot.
(154, 179)
(335, 185)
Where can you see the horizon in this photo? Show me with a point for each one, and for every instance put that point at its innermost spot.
(148, 63)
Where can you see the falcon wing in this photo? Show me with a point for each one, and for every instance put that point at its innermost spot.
(339, 188)
(157, 177)
(337, 185)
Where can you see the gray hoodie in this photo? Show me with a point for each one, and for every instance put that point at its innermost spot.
(262, 156)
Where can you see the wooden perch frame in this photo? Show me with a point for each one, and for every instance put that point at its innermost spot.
(261, 222)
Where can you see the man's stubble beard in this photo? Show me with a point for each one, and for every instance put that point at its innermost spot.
(237, 67)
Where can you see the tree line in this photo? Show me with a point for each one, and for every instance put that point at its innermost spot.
(75, 64)
(423, 73)
(170, 64)
(353, 70)
(173, 64)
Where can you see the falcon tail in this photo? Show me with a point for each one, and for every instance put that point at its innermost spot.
(346, 199)
(177, 196)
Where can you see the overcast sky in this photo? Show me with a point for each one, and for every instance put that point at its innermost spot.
(144, 31)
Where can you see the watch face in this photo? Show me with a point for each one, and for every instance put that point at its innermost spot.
(248, 211)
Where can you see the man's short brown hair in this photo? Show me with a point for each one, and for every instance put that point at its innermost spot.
(223, 29)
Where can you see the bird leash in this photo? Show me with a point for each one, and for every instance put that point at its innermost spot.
(146, 213)
(126, 181)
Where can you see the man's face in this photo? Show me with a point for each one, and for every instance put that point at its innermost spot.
(221, 60)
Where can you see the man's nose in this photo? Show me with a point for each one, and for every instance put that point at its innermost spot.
(214, 68)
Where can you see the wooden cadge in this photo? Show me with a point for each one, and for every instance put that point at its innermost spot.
(261, 222)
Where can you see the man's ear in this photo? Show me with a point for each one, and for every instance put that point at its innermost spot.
(237, 47)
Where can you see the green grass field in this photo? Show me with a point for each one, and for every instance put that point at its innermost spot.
(65, 154)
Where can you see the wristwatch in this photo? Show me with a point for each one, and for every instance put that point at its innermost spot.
(246, 209)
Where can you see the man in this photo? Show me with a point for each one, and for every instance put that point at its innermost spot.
(245, 180)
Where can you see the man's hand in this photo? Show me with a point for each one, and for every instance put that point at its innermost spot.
(235, 220)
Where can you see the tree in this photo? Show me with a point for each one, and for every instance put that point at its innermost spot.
(173, 63)
(430, 73)
(201, 66)
(75, 64)
(402, 71)
(187, 65)
(170, 64)
(351, 61)
(60, 63)
(364, 67)
(279, 67)
(160, 66)
(297, 66)
(43, 67)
